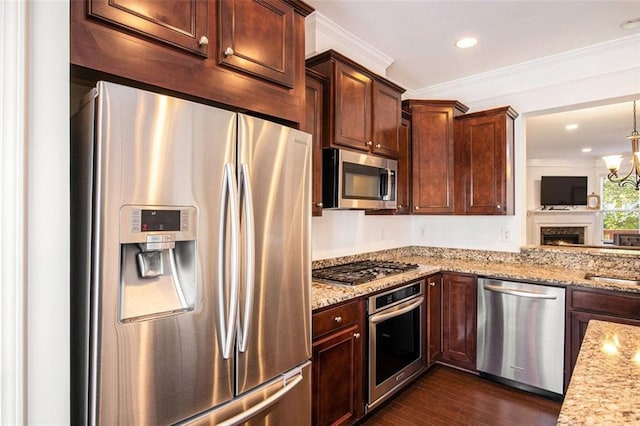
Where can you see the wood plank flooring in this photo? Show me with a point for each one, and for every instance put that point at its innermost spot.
(446, 396)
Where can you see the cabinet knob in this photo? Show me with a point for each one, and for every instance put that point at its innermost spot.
(378, 145)
(356, 335)
(498, 206)
(369, 143)
(319, 205)
(417, 207)
(228, 51)
(203, 41)
(399, 206)
(337, 319)
(432, 284)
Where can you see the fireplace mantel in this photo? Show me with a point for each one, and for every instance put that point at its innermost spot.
(590, 219)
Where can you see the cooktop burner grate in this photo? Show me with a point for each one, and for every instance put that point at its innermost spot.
(360, 272)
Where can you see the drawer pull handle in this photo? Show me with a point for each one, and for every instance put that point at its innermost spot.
(337, 319)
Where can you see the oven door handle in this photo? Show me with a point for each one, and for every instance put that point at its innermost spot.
(396, 312)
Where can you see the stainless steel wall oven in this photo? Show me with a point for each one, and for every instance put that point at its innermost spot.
(396, 340)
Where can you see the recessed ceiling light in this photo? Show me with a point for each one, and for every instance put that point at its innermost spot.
(586, 149)
(571, 126)
(630, 24)
(466, 42)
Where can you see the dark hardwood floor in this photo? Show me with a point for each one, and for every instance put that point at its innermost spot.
(446, 396)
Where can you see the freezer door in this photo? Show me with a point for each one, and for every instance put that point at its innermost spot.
(155, 150)
(275, 310)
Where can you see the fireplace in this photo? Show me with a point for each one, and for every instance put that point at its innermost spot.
(558, 235)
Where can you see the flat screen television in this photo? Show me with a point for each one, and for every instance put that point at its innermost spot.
(563, 191)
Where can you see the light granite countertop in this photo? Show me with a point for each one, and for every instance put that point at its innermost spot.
(324, 295)
(605, 385)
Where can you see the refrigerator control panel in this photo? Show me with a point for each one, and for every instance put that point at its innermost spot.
(157, 224)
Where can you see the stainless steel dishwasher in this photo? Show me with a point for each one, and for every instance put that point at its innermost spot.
(521, 334)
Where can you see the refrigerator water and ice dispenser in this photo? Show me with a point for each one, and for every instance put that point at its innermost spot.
(158, 261)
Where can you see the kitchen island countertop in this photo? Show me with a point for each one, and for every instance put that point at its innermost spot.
(605, 385)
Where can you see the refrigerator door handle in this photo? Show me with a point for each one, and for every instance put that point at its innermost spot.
(246, 199)
(228, 204)
(289, 385)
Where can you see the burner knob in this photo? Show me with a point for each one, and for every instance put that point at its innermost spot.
(337, 319)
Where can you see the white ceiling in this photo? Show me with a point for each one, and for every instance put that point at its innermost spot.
(419, 35)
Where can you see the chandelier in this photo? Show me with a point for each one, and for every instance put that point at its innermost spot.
(613, 161)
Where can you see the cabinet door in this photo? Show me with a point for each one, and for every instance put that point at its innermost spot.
(485, 166)
(432, 138)
(313, 124)
(434, 319)
(403, 180)
(387, 112)
(180, 23)
(459, 320)
(578, 328)
(256, 36)
(352, 108)
(338, 378)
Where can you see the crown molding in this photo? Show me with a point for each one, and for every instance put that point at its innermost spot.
(592, 63)
(323, 34)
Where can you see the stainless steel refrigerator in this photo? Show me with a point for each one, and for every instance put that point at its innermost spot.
(190, 264)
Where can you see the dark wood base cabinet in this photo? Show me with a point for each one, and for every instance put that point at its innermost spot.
(434, 319)
(459, 320)
(338, 362)
(603, 305)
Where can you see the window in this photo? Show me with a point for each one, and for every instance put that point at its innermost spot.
(620, 210)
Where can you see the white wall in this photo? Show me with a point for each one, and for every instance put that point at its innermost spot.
(538, 168)
(35, 385)
(581, 77)
(345, 232)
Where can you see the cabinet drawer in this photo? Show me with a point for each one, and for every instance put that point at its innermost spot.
(606, 302)
(335, 318)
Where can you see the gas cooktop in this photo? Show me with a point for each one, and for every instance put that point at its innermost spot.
(360, 272)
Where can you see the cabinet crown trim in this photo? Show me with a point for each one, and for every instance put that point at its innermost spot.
(335, 56)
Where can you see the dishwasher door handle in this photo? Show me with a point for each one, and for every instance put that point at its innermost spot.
(517, 292)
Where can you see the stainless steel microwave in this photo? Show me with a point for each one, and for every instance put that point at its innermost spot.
(352, 180)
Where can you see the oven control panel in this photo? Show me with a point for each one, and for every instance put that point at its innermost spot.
(393, 297)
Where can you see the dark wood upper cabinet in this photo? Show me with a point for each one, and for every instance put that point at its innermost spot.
(387, 116)
(181, 47)
(313, 124)
(179, 23)
(352, 108)
(364, 108)
(257, 37)
(432, 150)
(484, 162)
(403, 179)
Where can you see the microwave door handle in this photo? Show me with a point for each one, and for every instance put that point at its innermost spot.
(389, 183)
(385, 185)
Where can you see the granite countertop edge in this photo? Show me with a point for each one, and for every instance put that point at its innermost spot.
(325, 295)
(605, 383)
